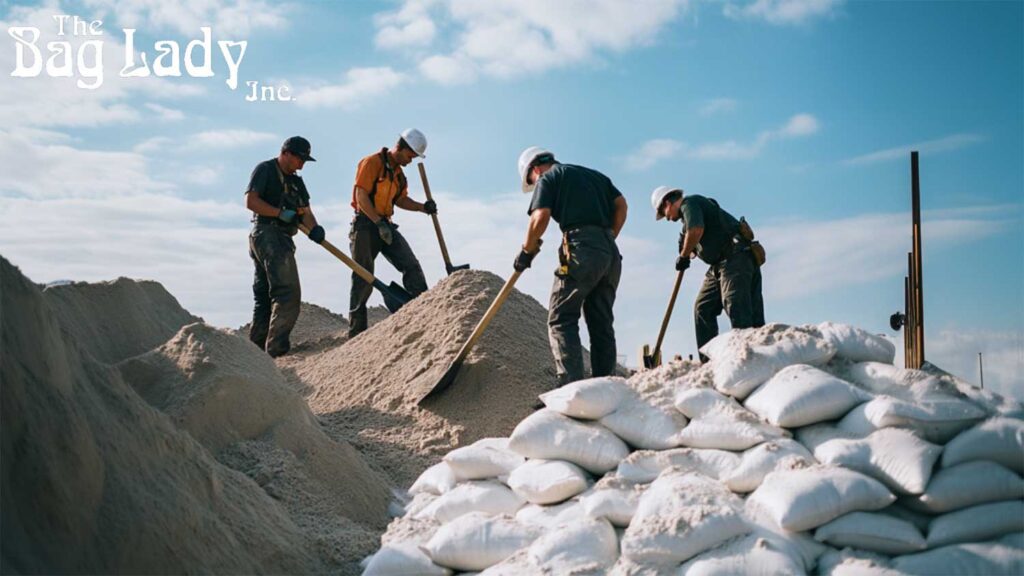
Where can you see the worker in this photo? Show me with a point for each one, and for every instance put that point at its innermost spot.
(279, 202)
(590, 212)
(380, 186)
(733, 279)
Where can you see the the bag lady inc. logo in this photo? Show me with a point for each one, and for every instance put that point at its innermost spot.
(78, 53)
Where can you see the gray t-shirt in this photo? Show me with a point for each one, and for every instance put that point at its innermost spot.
(576, 196)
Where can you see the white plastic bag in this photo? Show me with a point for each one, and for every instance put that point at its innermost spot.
(548, 435)
(483, 459)
(977, 523)
(645, 465)
(587, 546)
(476, 541)
(896, 457)
(403, 559)
(547, 481)
(1003, 557)
(437, 479)
(486, 496)
(751, 555)
(997, 439)
(744, 368)
(968, 484)
(728, 429)
(549, 517)
(613, 499)
(857, 345)
(935, 417)
(644, 426)
(800, 395)
(873, 532)
(764, 458)
(589, 399)
(696, 402)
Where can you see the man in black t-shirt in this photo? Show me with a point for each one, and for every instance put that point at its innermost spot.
(279, 202)
(733, 279)
(590, 212)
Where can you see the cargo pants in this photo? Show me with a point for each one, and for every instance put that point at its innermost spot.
(365, 244)
(275, 288)
(586, 282)
(734, 285)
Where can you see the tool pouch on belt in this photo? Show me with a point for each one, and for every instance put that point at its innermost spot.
(756, 249)
(563, 257)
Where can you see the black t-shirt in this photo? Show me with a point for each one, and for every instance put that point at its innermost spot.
(719, 226)
(266, 181)
(577, 196)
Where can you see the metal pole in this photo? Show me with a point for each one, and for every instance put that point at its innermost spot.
(911, 325)
(919, 288)
(906, 322)
(981, 371)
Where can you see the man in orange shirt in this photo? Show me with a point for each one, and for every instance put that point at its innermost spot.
(380, 186)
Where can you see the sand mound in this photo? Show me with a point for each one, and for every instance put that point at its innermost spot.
(119, 319)
(318, 328)
(366, 390)
(96, 481)
(231, 398)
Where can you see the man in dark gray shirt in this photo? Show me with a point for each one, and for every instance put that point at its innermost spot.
(590, 212)
(733, 279)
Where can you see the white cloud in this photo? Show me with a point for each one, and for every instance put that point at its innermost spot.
(945, 144)
(238, 18)
(512, 38)
(955, 350)
(154, 144)
(799, 125)
(783, 12)
(360, 86)
(164, 113)
(652, 152)
(718, 106)
(227, 139)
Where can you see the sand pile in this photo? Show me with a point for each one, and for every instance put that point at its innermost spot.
(94, 480)
(795, 450)
(119, 319)
(318, 328)
(366, 390)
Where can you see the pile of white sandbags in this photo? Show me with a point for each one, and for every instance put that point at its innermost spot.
(794, 450)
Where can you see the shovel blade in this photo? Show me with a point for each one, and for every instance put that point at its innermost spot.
(394, 295)
(447, 380)
(452, 269)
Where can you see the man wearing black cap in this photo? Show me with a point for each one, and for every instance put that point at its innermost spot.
(279, 202)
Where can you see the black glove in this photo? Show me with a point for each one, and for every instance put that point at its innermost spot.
(682, 263)
(286, 215)
(317, 234)
(523, 260)
(430, 207)
(682, 237)
(384, 229)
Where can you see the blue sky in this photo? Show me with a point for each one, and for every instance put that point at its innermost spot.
(798, 114)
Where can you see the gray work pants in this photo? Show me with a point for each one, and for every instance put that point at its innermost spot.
(275, 288)
(586, 283)
(365, 244)
(735, 286)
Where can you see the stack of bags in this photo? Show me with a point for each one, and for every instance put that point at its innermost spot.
(795, 450)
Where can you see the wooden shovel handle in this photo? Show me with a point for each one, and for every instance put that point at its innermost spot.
(437, 223)
(668, 315)
(488, 316)
(362, 272)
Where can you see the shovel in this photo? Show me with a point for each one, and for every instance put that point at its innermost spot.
(653, 360)
(394, 295)
(437, 227)
(449, 377)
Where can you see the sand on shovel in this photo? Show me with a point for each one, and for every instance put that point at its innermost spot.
(96, 481)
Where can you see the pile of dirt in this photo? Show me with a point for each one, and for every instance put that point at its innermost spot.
(119, 319)
(366, 391)
(231, 397)
(318, 328)
(96, 481)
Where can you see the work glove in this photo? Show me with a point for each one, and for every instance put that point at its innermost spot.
(524, 259)
(317, 234)
(682, 262)
(286, 215)
(384, 229)
(682, 237)
(430, 207)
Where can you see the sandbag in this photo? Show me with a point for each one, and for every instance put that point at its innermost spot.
(719, 346)
(757, 462)
(644, 426)
(483, 459)
(751, 555)
(806, 498)
(936, 418)
(967, 484)
(589, 399)
(548, 435)
(402, 559)
(817, 434)
(549, 517)
(997, 439)
(419, 501)
(1003, 557)
(896, 457)
(850, 562)
(476, 541)
(547, 481)
(977, 523)
(801, 395)
(437, 479)
(485, 496)
(613, 499)
(744, 367)
(681, 515)
(696, 402)
(588, 546)
(645, 465)
(873, 532)
(728, 430)
(857, 345)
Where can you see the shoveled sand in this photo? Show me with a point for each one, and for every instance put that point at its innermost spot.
(318, 328)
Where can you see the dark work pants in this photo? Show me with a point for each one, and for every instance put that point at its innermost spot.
(275, 288)
(588, 285)
(365, 244)
(735, 286)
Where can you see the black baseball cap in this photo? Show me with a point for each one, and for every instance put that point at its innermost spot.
(299, 146)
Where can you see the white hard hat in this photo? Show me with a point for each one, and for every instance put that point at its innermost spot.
(658, 196)
(525, 160)
(416, 140)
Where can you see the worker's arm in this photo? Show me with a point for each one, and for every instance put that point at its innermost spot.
(260, 206)
(538, 224)
(690, 241)
(406, 203)
(619, 217)
(365, 205)
(307, 217)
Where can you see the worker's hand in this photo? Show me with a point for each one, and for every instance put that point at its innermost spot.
(682, 237)
(430, 207)
(523, 260)
(384, 229)
(317, 234)
(682, 262)
(286, 215)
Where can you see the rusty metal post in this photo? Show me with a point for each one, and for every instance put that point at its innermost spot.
(915, 184)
